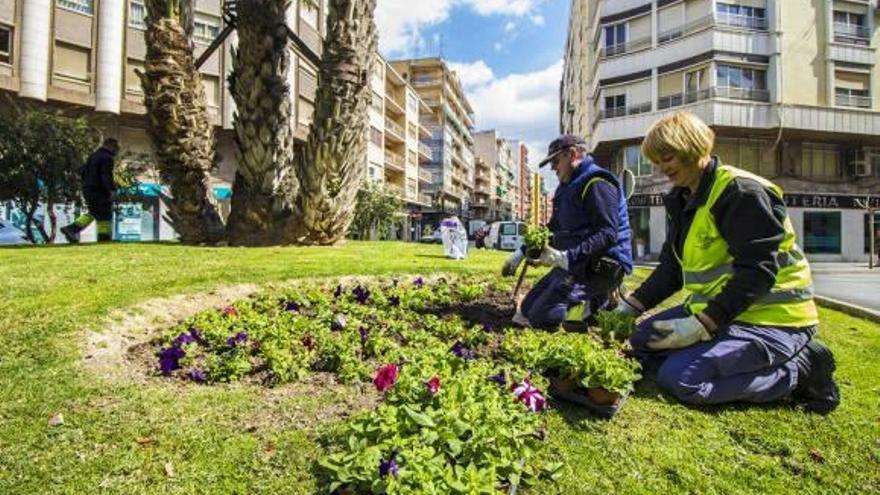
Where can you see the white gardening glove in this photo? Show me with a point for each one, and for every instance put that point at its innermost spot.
(678, 333)
(553, 257)
(513, 263)
(627, 308)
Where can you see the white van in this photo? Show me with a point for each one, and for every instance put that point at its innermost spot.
(506, 236)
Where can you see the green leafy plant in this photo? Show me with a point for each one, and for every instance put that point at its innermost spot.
(470, 292)
(536, 239)
(614, 326)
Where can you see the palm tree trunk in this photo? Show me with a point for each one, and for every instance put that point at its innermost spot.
(265, 184)
(332, 165)
(178, 123)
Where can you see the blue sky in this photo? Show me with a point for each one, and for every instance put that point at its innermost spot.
(508, 54)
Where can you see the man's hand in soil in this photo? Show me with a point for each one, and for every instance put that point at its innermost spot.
(678, 333)
(512, 263)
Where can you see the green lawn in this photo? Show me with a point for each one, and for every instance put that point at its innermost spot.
(118, 437)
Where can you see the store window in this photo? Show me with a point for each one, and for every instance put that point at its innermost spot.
(640, 222)
(822, 234)
(631, 158)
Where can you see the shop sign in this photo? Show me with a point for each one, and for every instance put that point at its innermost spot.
(828, 201)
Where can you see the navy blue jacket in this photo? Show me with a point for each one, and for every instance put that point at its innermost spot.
(97, 173)
(590, 219)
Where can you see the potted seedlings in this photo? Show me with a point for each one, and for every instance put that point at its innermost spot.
(536, 239)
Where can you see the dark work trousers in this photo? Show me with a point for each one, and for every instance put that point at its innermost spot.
(549, 300)
(742, 363)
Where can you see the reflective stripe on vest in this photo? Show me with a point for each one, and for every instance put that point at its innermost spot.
(707, 265)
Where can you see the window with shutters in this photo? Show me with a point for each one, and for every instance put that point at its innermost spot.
(306, 112)
(137, 14)
(205, 28)
(72, 62)
(376, 136)
(5, 45)
(212, 90)
(81, 6)
(308, 83)
(132, 81)
(820, 161)
(852, 89)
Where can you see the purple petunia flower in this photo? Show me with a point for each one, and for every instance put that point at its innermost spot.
(338, 292)
(500, 378)
(365, 334)
(488, 327)
(361, 294)
(239, 338)
(462, 351)
(169, 359)
(182, 339)
(197, 335)
(198, 375)
(291, 306)
(419, 282)
(394, 301)
(387, 467)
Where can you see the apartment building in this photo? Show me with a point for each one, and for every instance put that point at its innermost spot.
(450, 123)
(789, 86)
(81, 56)
(497, 152)
(522, 205)
(395, 151)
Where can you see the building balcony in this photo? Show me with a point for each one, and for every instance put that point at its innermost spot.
(394, 161)
(741, 21)
(426, 199)
(425, 152)
(425, 176)
(677, 100)
(394, 130)
(852, 101)
(628, 47)
(421, 82)
(852, 34)
(685, 29)
(610, 113)
(393, 105)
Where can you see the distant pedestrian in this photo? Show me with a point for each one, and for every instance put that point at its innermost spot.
(99, 190)
(480, 238)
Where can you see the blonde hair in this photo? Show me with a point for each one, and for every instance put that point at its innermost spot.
(682, 134)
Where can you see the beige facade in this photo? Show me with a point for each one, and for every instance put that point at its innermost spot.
(497, 153)
(447, 140)
(790, 86)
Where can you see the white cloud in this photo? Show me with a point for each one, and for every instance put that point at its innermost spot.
(498, 46)
(402, 22)
(473, 74)
(510, 26)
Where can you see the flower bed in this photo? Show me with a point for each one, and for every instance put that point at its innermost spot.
(461, 402)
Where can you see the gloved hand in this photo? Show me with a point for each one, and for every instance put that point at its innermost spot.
(678, 333)
(513, 263)
(627, 308)
(552, 257)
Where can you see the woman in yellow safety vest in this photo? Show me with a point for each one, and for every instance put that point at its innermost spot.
(745, 331)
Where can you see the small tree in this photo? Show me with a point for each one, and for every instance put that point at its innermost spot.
(41, 157)
(376, 209)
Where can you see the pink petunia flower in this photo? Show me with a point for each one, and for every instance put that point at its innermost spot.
(230, 311)
(433, 385)
(386, 377)
(526, 393)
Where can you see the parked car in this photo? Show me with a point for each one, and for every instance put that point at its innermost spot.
(506, 236)
(10, 235)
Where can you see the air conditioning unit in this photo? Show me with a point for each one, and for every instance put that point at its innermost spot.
(861, 168)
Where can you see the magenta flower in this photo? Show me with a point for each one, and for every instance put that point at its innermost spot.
(386, 377)
(419, 282)
(239, 338)
(462, 351)
(526, 393)
(433, 385)
(387, 467)
(198, 375)
(169, 359)
(230, 311)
